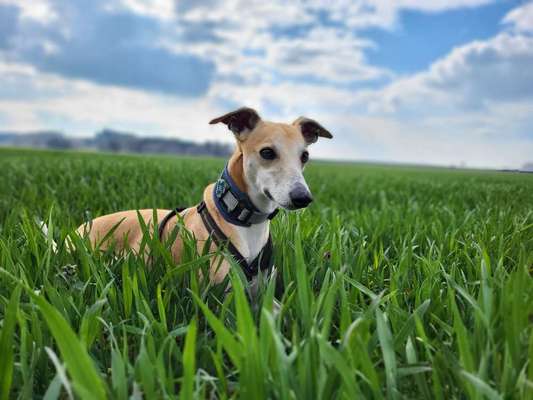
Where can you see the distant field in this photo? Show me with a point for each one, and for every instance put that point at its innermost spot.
(396, 283)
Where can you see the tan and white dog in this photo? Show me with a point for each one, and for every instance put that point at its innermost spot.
(265, 173)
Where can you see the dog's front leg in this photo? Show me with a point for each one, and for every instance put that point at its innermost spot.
(261, 281)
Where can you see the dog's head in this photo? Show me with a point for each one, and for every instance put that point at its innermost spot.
(274, 156)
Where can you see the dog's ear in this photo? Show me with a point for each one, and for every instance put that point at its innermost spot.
(240, 122)
(311, 129)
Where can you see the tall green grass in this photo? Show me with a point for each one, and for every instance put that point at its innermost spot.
(396, 283)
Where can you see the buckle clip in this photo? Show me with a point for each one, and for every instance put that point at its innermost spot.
(221, 188)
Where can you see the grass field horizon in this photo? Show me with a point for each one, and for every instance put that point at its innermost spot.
(399, 282)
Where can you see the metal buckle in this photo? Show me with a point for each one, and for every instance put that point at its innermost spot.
(247, 216)
(221, 188)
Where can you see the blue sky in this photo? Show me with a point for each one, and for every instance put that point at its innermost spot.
(437, 82)
(421, 38)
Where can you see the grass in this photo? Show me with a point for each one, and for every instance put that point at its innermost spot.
(397, 283)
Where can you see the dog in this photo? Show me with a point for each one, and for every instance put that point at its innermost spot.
(264, 173)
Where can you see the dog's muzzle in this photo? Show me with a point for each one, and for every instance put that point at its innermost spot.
(300, 196)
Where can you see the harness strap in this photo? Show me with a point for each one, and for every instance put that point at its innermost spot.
(167, 218)
(264, 260)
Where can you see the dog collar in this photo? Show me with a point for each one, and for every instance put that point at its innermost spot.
(235, 205)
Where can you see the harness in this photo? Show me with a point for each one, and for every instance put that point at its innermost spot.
(236, 208)
(165, 220)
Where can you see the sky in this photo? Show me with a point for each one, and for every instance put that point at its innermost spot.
(443, 82)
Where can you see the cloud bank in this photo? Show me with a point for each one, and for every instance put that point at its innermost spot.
(164, 67)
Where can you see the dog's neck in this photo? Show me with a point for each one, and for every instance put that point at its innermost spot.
(236, 170)
(249, 240)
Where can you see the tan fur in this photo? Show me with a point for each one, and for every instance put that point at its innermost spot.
(128, 234)
(268, 132)
(288, 140)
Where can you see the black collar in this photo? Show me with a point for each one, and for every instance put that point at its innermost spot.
(264, 260)
(234, 205)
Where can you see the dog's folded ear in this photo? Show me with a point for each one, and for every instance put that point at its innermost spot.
(311, 129)
(240, 122)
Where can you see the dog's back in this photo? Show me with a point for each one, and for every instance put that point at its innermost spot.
(124, 225)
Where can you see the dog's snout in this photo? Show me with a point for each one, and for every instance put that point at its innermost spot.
(300, 196)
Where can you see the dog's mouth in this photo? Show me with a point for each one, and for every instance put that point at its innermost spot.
(289, 206)
(267, 194)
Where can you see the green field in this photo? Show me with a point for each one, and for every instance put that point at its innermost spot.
(396, 283)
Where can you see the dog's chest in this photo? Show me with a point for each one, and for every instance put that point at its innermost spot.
(250, 240)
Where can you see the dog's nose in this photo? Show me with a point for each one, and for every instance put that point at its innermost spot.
(300, 196)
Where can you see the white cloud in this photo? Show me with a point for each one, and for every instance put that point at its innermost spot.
(37, 10)
(438, 5)
(324, 53)
(160, 9)
(521, 18)
(383, 13)
(496, 70)
(446, 141)
(81, 107)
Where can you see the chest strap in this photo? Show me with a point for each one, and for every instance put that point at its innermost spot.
(264, 260)
(167, 218)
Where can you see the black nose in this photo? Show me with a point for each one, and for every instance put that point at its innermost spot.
(300, 196)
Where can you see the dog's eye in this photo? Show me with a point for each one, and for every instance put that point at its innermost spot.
(268, 153)
(304, 157)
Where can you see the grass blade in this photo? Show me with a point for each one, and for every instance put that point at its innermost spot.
(6, 344)
(389, 357)
(189, 362)
(85, 379)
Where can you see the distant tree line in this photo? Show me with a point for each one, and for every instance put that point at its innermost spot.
(115, 141)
